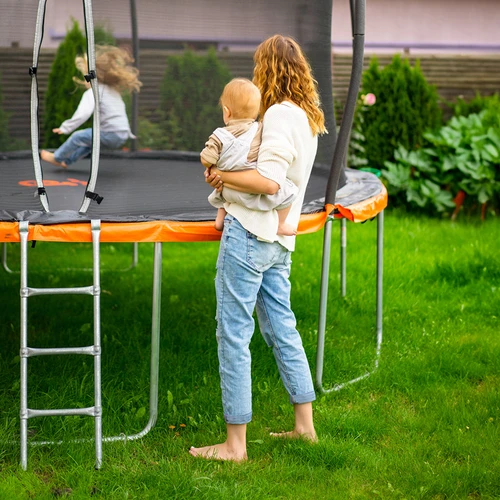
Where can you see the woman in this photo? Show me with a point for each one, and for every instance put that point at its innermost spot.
(253, 266)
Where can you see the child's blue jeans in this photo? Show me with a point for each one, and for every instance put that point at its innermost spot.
(255, 274)
(79, 144)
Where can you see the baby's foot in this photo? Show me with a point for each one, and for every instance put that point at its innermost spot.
(219, 452)
(219, 224)
(219, 219)
(286, 230)
(49, 158)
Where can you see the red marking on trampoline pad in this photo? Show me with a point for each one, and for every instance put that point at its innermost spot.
(48, 182)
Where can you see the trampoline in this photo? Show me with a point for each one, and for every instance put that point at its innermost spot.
(159, 197)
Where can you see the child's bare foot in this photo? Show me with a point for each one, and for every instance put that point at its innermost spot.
(219, 452)
(286, 229)
(49, 158)
(310, 436)
(219, 220)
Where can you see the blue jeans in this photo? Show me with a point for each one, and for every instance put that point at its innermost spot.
(79, 144)
(255, 274)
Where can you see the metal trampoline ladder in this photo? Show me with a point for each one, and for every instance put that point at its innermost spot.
(92, 350)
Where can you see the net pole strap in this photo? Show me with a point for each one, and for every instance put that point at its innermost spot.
(34, 115)
(358, 13)
(96, 127)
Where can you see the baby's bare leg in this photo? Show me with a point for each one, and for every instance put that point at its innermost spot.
(285, 229)
(219, 220)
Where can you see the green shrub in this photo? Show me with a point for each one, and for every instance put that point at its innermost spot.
(189, 99)
(7, 143)
(407, 106)
(490, 104)
(150, 136)
(4, 124)
(461, 158)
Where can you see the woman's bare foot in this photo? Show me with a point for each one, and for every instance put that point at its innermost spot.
(286, 230)
(306, 436)
(49, 158)
(219, 452)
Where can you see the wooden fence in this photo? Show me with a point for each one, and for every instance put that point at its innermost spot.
(453, 76)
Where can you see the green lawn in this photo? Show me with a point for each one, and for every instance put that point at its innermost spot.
(426, 424)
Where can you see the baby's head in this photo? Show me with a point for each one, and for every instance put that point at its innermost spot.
(240, 99)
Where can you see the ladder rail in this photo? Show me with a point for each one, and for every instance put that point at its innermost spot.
(93, 350)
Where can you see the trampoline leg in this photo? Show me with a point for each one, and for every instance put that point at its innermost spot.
(96, 233)
(343, 254)
(4, 259)
(380, 286)
(323, 302)
(92, 350)
(155, 351)
(23, 233)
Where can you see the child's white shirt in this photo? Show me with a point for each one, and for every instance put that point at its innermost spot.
(112, 112)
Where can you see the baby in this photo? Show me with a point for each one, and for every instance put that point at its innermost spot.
(236, 147)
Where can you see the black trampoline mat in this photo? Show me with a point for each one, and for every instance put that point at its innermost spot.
(138, 188)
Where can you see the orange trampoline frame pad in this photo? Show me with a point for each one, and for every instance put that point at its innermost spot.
(175, 231)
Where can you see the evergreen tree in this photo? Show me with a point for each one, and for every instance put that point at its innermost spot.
(4, 125)
(406, 106)
(63, 94)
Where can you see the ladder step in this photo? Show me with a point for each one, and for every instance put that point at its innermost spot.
(38, 351)
(90, 412)
(79, 290)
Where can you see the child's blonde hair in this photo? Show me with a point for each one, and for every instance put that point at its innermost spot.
(242, 97)
(113, 67)
(282, 73)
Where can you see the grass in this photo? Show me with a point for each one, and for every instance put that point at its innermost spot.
(425, 425)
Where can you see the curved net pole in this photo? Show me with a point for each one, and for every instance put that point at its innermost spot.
(96, 128)
(135, 95)
(35, 125)
(358, 10)
(358, 48)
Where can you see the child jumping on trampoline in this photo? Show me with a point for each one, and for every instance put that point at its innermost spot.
(115, 74)
(235, 147)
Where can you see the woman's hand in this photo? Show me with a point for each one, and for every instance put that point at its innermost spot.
(213, 178)
(57, 131)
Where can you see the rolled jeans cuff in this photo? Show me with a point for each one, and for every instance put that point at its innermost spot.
(238, 419)
(308, 397)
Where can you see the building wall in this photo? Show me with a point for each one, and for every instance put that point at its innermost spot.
(459, 26)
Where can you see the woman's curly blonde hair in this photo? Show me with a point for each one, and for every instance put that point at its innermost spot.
(113, 67)
(282, 73)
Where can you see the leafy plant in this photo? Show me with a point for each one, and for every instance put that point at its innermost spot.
(189, 98)
(407, 106)
(462, 157)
